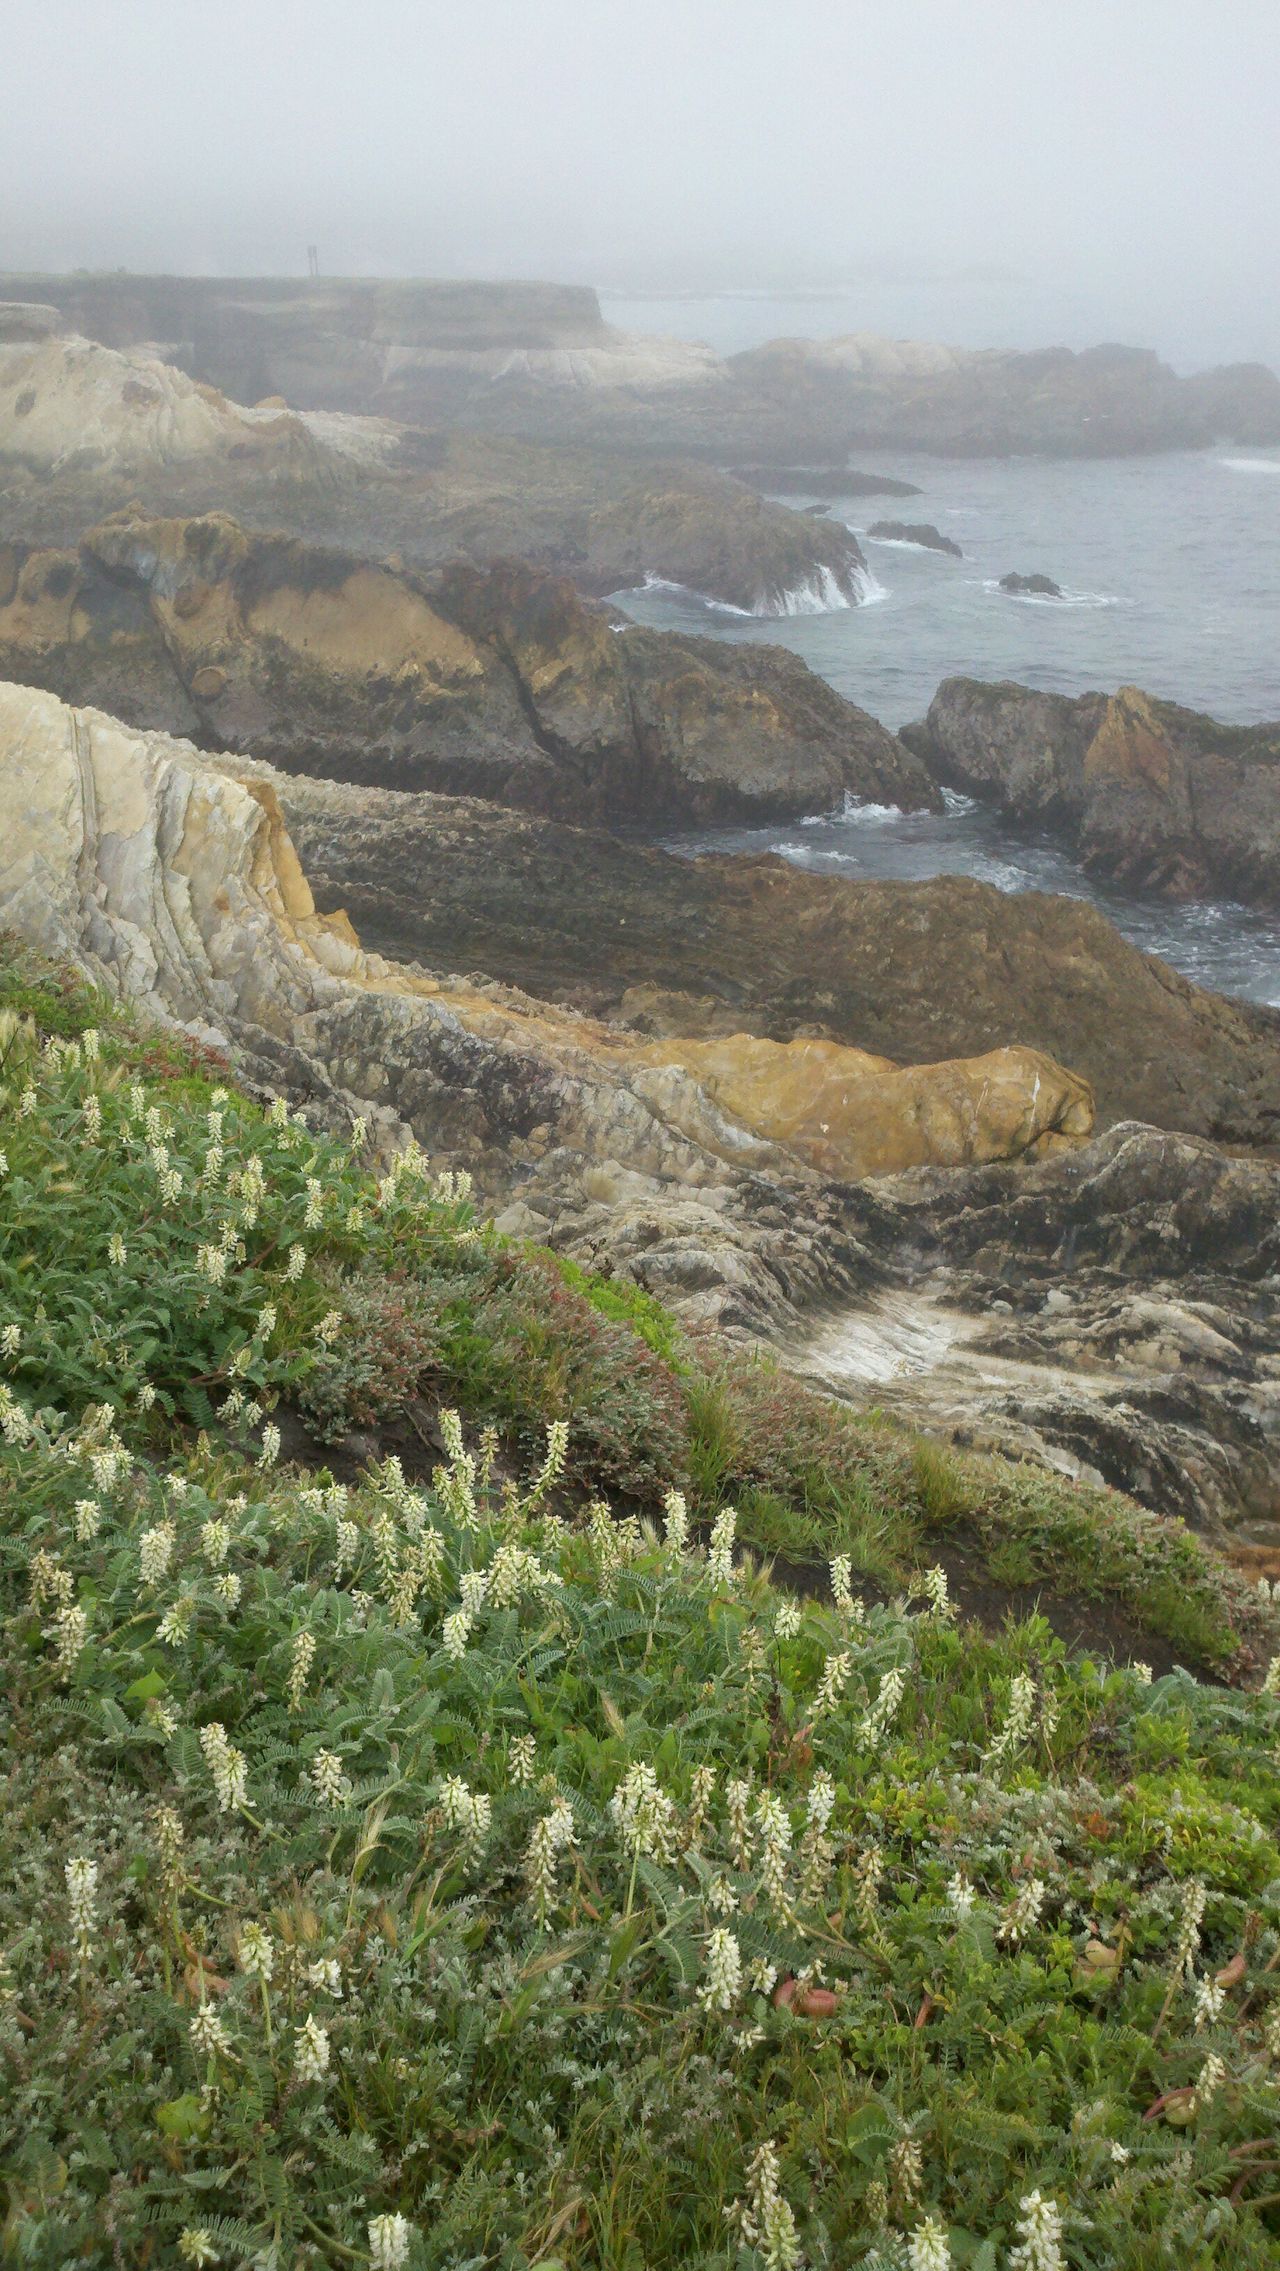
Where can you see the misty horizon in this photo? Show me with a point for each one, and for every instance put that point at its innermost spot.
(1115, 170)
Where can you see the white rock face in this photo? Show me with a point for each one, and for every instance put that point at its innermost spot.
(71, 402)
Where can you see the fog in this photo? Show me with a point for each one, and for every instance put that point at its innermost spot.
(1105, 169)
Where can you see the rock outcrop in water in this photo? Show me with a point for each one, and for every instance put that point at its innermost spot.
(500, 683)
(86, 429)
(539, 360)
(1034, 586)
(921, 532)
(716, 946)
(1152, 795)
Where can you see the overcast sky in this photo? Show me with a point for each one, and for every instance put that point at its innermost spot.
(1126, 150)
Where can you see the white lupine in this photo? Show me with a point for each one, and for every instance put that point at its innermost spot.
(1210, 2079)
(227, 1766)
(328, 1780)
(675, 1521)
(390, 2239)
(550, 1836)
(737, 1800)
(92, 1116)
(775, 1846)
(10, 1340)
(211, 1261)
(270, 1450)
(296, 1262)
(255, 1952)
(310, 2051)
(314, 1214)
(215, 1542)
(644, 1815)
(879, 1718)
(208, 2035)
(70, 1631)
(960, 1896)
(228, 1588)
(1018, 1719)
(1209, 2002)
(835, 1676)
(27, 1104)
(1189, 1922)
(301, 1658)
(722, 1983)
(82, 1898)
(468, 1813)
(326, 1973)
(88, 1520)
(155, 1552)
(195, 2246)
(842, 1582)
(521, 1759)
(454, 1634)
(787, 1620)
(720, 1557)
(175, 1624)
(117, 1251)
(820, 1803)
(329, 1328)
(764, 2219)
(1040, 2235)
(1271, 1684)
(1023, 1912)
(928, 2248)
(937, 1592)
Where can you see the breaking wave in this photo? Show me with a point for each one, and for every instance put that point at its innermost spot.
(818, 593)
(1251, 464)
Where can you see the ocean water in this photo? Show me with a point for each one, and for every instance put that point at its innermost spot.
(1171, 567)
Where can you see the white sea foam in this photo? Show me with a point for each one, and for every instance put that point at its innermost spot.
(1069, 597)
(1251, 464)
(818, 593)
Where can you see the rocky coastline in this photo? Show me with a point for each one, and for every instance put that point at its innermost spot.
(320, 742)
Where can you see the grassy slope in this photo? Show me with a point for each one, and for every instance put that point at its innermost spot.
(525, 2057)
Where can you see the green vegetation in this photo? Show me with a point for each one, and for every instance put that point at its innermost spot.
(437, 1868)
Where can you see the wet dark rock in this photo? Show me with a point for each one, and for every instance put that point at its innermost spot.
(1157, 797)
(920, 532)
(1042, 587)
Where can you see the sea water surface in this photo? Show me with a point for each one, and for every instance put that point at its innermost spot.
(1171, 569)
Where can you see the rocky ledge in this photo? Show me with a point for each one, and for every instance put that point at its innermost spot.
(500, 683)
(715, 946)
(1155, 796)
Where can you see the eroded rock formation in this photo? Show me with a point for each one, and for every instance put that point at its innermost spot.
(1158, 797)
(85, 429)
(502, 683)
